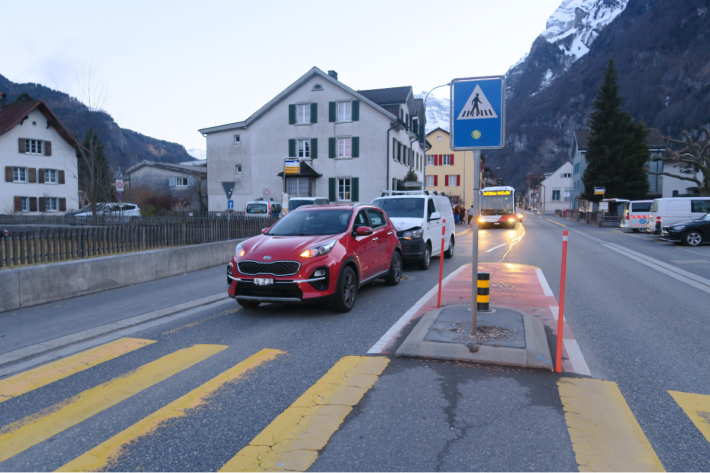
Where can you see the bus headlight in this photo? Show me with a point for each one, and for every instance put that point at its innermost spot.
(481, 220)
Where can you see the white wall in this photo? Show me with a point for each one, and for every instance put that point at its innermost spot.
(671, 184)
(63, 157)
(556, 182)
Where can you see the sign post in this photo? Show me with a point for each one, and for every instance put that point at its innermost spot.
(477, 123)
(228, 190)
(119, 189)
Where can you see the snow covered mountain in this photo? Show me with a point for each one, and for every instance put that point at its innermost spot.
(437, 112)
(197, 153)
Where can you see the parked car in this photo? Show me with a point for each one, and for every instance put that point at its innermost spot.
(121, 210)
(669, 211)
(418, 217)
(296, 202)
(316, 253)
(636, 214)
(692, 232)
(262, 208)
(86, 211)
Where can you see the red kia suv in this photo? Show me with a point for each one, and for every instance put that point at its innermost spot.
(316, 252)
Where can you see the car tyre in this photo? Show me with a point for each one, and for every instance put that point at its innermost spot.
(635, 230)
(450, 252)
(426, 259)
(248, 304)
(346, 292)
(693, 238)
(395, 275)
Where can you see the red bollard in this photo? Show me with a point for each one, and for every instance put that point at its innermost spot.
(561, 317)
(441, 262)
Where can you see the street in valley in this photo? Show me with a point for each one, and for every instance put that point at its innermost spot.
(173, 375)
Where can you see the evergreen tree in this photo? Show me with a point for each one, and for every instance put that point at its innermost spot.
(94, 174)
(24, 97)
(617, 151)
(411, 176)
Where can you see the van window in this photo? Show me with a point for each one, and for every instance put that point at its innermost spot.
(640, 206)
(256, 208)
(293, 204)
(431, 209)
(401, 207)
(654, 207)
(700, 206)
(678, 206)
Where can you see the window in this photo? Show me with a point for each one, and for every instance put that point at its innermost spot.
(430, 160)
(303, 113)
(447, 160)
(377, 218)
(304, 148)
(25, 203)
(360, 220)
(345, 111)
(317, 88)
(33, 146)
(19, 174)
(298, 187)
(567, 195)
(438, 138)
(453, 180)
(239, 168)
(430, 181)
(50, 176)
(555, 194)
(565, 174)
(344, 189)
(52, 204)
(701, 206)
(345, 148)
(237, 140)
(430, 209)
(181, 181)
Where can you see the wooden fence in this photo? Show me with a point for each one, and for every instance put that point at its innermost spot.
(62, 244)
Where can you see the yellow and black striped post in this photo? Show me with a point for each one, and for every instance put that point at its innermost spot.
(484, 289)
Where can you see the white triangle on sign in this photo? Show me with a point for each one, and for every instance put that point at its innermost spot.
(477, 106)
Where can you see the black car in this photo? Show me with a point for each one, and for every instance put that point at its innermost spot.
(692, 232)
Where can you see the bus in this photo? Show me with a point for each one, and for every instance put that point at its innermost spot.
(498, 208)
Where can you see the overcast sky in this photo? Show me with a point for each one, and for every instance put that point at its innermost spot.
(172, 67)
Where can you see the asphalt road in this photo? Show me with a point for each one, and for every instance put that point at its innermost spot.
(635, 324)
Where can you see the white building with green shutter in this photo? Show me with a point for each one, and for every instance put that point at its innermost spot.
(352, 144)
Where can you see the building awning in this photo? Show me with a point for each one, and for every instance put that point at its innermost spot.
(304, 171)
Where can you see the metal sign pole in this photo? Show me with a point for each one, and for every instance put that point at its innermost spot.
(474, 239)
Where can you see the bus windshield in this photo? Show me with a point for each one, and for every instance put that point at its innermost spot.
(498, 204)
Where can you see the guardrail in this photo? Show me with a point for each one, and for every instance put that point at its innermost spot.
(62, 244)
(113, 219)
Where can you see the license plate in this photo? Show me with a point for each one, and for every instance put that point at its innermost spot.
(497, 223)
(263, 281)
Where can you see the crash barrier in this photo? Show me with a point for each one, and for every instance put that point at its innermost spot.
(63, 244)
(483, 292)
(561, 312)
(100, 220)
(441, 262)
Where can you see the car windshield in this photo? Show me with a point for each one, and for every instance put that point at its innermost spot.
(293, 204)
(256, 208)
(312, 222)
(401, 207)
(88, 208)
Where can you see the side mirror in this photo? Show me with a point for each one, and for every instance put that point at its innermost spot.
(265, 230)
(363, 231)
(435, 216)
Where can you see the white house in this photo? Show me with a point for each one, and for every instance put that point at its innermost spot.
(185, 182)
(556, 190)
(351, 144)
(40, 160)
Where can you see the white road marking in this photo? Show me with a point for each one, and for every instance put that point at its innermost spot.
(555, 312)
(399, 325)
(543, 282)
(496, 247)
(576, 358)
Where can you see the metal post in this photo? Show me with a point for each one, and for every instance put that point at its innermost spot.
(474, 232)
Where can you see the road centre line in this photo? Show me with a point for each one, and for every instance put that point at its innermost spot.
(291, 441)
(36, 428)
(387, 338)
(575, 357)
(496, 247)
(102, 455)
(49, 373)
(556, 223)
(543, 282)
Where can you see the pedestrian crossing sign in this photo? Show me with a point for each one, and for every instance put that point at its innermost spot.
(478, 113)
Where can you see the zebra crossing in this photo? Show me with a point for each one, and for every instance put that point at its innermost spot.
(603, 430)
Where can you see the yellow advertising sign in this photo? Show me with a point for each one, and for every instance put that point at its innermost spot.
(292, 167)
(496, 193)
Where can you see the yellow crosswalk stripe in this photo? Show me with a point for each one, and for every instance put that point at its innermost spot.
(101, 456)
(25, 433)
(697, 407)
(605, 434)
(33, 379)
(292, 441)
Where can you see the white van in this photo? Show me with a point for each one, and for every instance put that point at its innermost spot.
(636, 215)
(262, 208)
(419, 217)
(296, 202)
(668, 211)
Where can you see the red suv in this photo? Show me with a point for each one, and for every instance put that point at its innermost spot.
(316, 252)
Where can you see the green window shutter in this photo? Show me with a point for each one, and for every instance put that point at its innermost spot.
(356, 110)
(331, 189)
(356, 147)
(314, 148)
(331, 147)
(399, 152)
(314, 113)
(332, 112)
(292, 114)
(394, 149)
(355, 186)
(291, 148)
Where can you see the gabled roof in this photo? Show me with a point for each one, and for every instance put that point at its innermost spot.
(13, 114)
(438, 128)
(194, 170)
(288, 91)
(655, 141)
(388, 96)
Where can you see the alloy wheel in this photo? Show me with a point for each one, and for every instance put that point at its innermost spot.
(693, 238)
(349, 289)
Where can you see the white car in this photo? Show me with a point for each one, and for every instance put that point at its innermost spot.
(262, 208)
(418, 217)
(668, 211)
(122, 209)
(636, 215)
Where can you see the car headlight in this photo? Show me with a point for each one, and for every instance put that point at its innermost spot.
(678, 228)
(413, 234)
(239, 251)
(320, 250)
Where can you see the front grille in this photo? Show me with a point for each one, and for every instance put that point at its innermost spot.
(277, 268)
(248, 288)
(400, 234)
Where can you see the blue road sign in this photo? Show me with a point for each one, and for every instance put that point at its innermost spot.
(118, 195)
(230, 205)
(478, 113)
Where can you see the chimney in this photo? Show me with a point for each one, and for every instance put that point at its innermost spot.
(333, 74)
(3, 96)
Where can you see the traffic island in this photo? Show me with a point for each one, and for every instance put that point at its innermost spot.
(504, 336)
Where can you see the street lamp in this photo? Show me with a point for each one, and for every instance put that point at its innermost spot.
(543, 198)
(424, 142)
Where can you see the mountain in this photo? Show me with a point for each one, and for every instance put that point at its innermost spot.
(437, 112)
(123, 147)
(660, 50)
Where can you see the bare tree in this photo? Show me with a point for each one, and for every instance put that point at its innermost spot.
(198, 189)
(694, 157)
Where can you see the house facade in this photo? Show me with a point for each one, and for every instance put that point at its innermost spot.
(450, 172)
(351, 144)
(555, 191)
(40, 159)
(186, 183)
